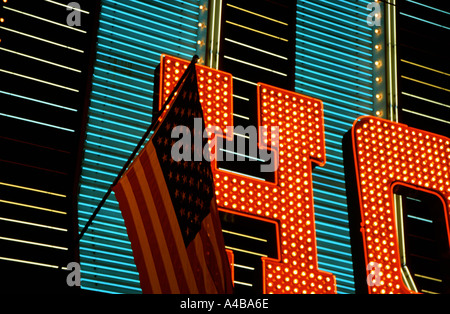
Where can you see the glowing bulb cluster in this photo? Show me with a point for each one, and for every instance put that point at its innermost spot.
(386, 154)
(290, 199)
(300, 120)
(215, 89)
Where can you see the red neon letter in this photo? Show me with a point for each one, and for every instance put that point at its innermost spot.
(289, 200)
(387, 154)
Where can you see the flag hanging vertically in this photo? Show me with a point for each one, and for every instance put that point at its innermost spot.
(170, 210)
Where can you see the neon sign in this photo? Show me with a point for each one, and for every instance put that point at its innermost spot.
(388, 154)
(289, 199)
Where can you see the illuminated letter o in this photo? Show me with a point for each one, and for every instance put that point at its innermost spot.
(386, 154)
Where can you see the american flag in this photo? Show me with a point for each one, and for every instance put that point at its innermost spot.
(170, 210)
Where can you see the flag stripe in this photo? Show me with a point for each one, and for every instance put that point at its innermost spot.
(168, 219)
(169, 253)
(149, 231)
(221, 255)
(196, 266)
(148, 256)
(222, 263)
(141, 249)
(209, 254)
(204, 260)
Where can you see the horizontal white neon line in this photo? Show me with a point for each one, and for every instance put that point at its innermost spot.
(243, 283)
(243, 266)
(242, 155)
(32, 224)
(425, 83)
(257, 31)
(257, 14)
(67, 6)
(31, 189)
(424, 115)
(245, 251)
(39, 80)
(42, 39)
(46, 20)
(255, 65)
(34, 243)
(244, 235)
(241, 135)
(41, 60)
(245, 81)
(241, 97)
(242, 174)
(428, 291)
(38, 101)
(426, 99)
(257, 49)
(424, 67)
(428, 277)
(27, 262)
(33, 207)
(241, 116)
(36, 122)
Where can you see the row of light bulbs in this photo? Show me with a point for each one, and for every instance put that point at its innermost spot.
(378, 64)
